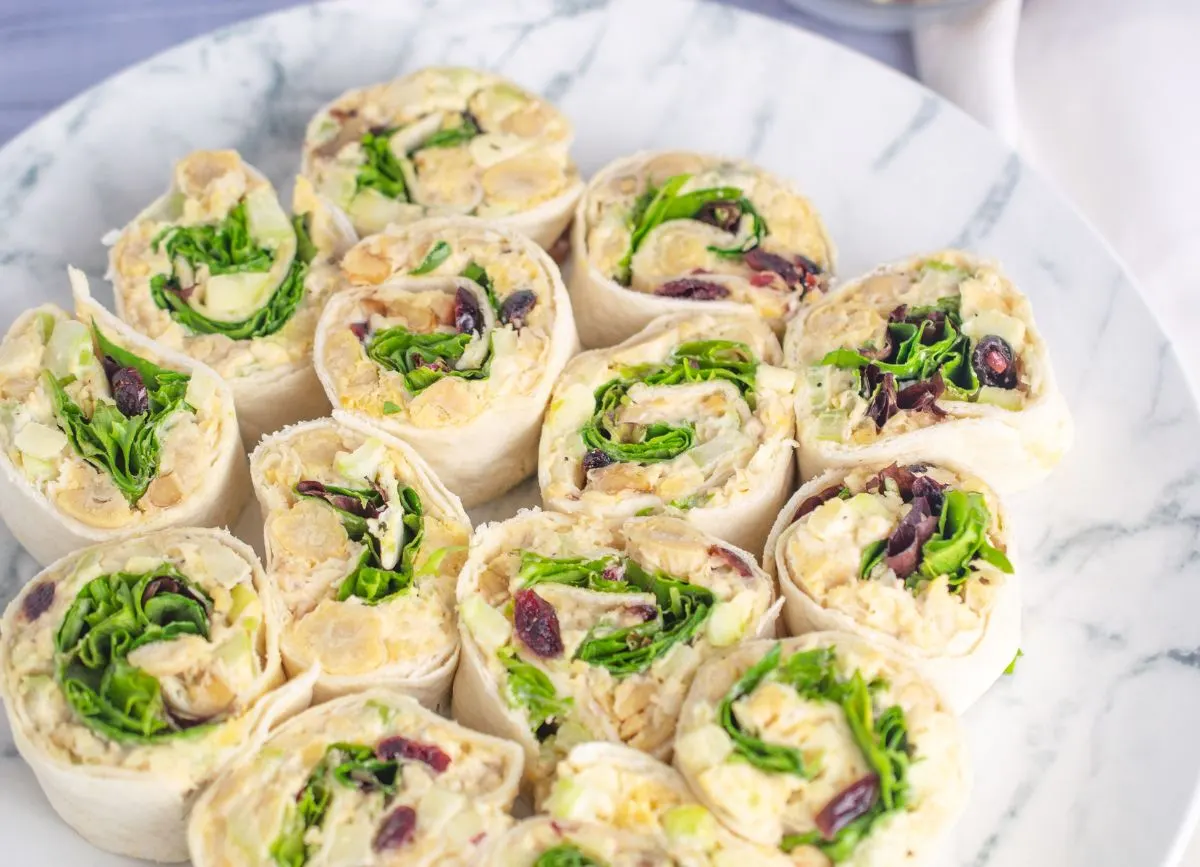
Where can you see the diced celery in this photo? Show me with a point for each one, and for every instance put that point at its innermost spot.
(233, 297)
(243, 597)
(39, 441)
(986, 322)
(831, 425)
(69, 349)
(490, 628)
(691, 824)
(1005, 398)
(727, 623)
(266, 218)
(363, 462)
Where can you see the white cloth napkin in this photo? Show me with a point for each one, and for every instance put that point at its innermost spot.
(1102, 96)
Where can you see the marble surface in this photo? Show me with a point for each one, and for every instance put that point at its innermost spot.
(1087, 755)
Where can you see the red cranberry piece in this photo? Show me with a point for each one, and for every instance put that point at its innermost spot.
(129, 392)
(536, 624)
(646, 612)
(359, 330)
(516, 307)
(614, 571)
(762, 278)
(691, 288)
(732, 559)
(397, 829)
(39, 599)
(467, 315)
(594, 459)
(847, 805)
(398, 747)
(993, 362)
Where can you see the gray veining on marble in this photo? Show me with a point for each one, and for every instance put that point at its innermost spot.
(1085, 757)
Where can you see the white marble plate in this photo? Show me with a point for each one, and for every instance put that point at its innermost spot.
(1088, 756)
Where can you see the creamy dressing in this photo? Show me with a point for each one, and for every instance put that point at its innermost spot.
(79, 490)
(425, 304)
(517, 161)
(311, 554)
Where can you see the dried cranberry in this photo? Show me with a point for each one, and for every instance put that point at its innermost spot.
(516, 307)
(810, 503)
(898, 314)
(397, 829)
(800, 273)
(692, 289)
(129, 392)
(762, 278)
(732, 559)
(536, 624)
(847, 805)
(546, 730)
(467, 315)
(37, 601)
(359, 330)
(881, 391)
(594, 459)
(398, 747)
(929, 490)
(725, 214)
(922, 396)
(614, 571)
(993, 361)
(184, 292)
(646, 612)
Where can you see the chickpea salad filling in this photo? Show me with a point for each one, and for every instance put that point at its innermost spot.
(449, 322)
(442, 141)
(136, 654)
(364, 550)
(217, 269)
(910, 345)
(690, 414)
(688, 226)
(915, 552)
(111, 438)
(369, 779)
(592, 630)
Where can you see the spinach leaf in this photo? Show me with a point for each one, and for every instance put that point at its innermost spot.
(306, 250)
(960, 538)
(423, 359)
(128, 448)
(773, 758)
(653, 208)
(696, 361)
(682, 610)
(574, 571)
(461, 134)
(349, 765)
(381, 171)
(529, 689)
(872, 555)
(437, 254)
(566, 855)
(368, 580)
(227, 248)
(110, 617)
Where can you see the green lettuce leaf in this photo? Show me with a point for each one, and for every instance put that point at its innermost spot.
(566, 855)
(127, 448)
(423, 359)
(109, 618)
(529, 689)
(381, 171)
(696, 361)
